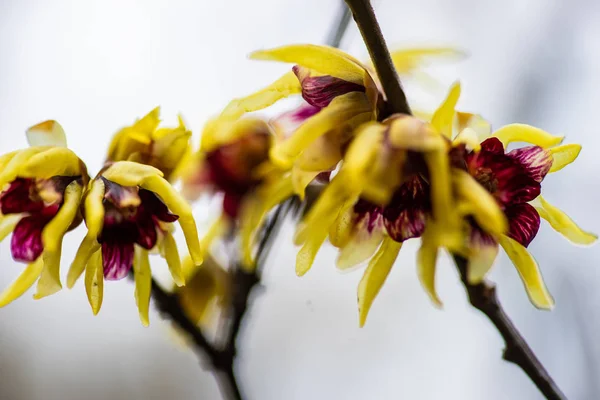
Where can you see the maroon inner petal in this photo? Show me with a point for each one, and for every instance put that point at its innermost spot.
(479, 238)
(534, 160)
(26, 243)
(19, 198)
(405, 216)
(524, 223)
(492, 145)
(146, 232)
(319, 91)
(153, 205)
(231, 204)
(120, 196)
(117, 259)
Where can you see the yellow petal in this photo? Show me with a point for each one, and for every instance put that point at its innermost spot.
(308, 252)
(22, 283)
(149, 122)
(86, 249)
(363, 149)
(341, 230)
(301, 179)
(529, 272)
(476, 122)
(563, 156)
(481, 260)
(323, 59)
(361, 246)
(8, 223)
(407, 60)
(173, 260)
(443, 117)
(322, 154)
(468, 137)
(129, 173)
(177, 205)
(408, 133)
(220, 132)
(285, 86)
(561, 223)
(482, 205)
(526, 133)
(5, 158)
(426, 265)
(217, 229)
(375, 276)
(94, 281)
(331, 117)
(47, 133)
(57, 161)
(13, 166)
(143, 283)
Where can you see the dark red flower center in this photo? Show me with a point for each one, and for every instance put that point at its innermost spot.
(319, 91)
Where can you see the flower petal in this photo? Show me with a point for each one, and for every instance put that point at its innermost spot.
(57, 161)
(534, 160)
(301, 179)
(375, 276)
(426, 264)
(409, 133)
(94, 281)
(47, 133)
(475, 122)
(483, 250)
(524, 223)
(561, 223)
(324, 59)
(526, 133)
(469, 137)
(283, 87)
(129, 173)
(405, 215)
(563, 155)
(171, 254)
(117, 259)
(26, 243)
(529, 272)
(8, 224)
(12, 168)
(22, 283)
(443, 117)
(143, 284)
(363, 242)
(339, 111)
(319, 91)
(308, 252)
(177, 205)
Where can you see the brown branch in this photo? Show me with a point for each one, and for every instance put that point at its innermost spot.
(482, 296)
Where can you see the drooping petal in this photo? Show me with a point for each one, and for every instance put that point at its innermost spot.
(94, 281)
(26, 243)
(308, 252)
(375, 276)
(143, 284)
(483, 252)
(57, 161)
(534, 160)
(117, 259)
(562, 223)
(563, 156)
(47, 133)
(529, 272)
(426, 265)
(339, 111)
(283, 87)
(177, 204)
(480, 203)
(341, 230)
(366, 237)
(171, 254)
(22, 283)
(526, 133)
(324, 59)
(524, 223)
(443, 117)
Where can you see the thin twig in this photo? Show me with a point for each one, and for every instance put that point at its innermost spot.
(483, 295)
(339, 29)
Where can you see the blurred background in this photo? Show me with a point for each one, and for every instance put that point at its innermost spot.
(95, 66)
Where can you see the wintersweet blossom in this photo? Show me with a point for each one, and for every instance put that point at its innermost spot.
(129, 210)
(146, 143)
(41, 192)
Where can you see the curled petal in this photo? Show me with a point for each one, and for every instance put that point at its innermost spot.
(57, 161)
(563, 156)
(526, 133)
(443, 117)
(529, 272)
(324, 59)
(483, 250)
(375, 276)
(534, 160)
(426, 265)
(561, 223)
(339, 111)
(283, 87)
(524, 223)
(177, 205)
(171, 254)
(94, 281)
(129, 173)
(22, 283)
(143, 283)
(47, 133)
(318, 91)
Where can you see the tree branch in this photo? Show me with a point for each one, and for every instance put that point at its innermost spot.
(482, 296)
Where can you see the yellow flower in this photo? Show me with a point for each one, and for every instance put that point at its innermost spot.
(41, 192)
(146, 143)
(130, 209)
